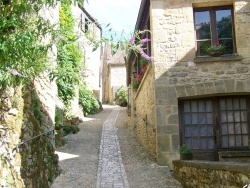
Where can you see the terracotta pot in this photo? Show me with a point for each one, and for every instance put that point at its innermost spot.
(186, 156)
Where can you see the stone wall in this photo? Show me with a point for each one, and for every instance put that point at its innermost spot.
(211, 174)
(179, 74)
(27, 112)
(11, 113)
(143, 116)
(117, 75)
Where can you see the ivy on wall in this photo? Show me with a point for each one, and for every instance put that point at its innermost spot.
(69, 56)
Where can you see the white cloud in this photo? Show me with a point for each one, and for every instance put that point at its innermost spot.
(120, 14)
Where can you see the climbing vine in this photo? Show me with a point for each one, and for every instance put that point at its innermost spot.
(23, 51)
(69, 56)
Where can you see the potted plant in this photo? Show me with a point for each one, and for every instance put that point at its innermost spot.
(216, 49)
(185, 152)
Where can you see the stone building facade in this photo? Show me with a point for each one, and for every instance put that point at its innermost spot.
(113, 74)
(187, 96)
(85, 24)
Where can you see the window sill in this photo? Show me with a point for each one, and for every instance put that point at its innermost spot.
(233, 154)
(216, 59)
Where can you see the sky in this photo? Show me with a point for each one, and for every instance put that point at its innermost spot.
(120, 14)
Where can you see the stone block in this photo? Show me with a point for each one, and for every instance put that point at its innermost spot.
(220, 86)
(171, 93)
(229, 84)
(190, 90)
(181, 91)
(239, 86)
(161, 93)
(168, 129)
(200, 89)
(175, 140)
(209, 88)
(173, 119)
(164, 142)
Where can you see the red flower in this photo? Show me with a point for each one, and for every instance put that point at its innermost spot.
(144, 69)
(217, 43)
(138, 77)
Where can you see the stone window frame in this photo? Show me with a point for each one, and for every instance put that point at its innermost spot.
(213, 154)
(214, 36)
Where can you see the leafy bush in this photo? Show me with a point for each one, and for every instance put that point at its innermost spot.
(88, 102)
(121, 97)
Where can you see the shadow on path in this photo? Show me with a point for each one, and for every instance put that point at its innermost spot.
(80, 165)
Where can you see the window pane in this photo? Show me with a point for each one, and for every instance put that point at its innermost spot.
(224, 130)
(188, 142)
(244, 128)
(195, 143)
(245, 140)
(196, 131)
(243, 104)
(187, 118)
(229, 104)
(203, 144)
(202, 130)
(210, 143)
(224, 141)
(210, 131)
(236, 104)
(186, 106)
(202, 17)
(231, 128)
(202, 118)
(224, 23)
(195, 118)
(231, 141)
(194, 107)
(243, 116)
(238, 141)
(223, 116)
(188, 131)
(228, 44)
(202, 47)
(222, 104)
(208, 106)
(223, 16)
(237, 128)
(201, 106)
(237, 116)
(203, 31)
(209, 118)
(230, 117)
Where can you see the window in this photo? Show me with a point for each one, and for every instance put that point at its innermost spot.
(212, 25)
(213, 124)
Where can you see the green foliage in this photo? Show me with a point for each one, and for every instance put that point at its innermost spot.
(184, 149)
(23, 53)
(88, 102)
(135, 85)
(121, 97)
(69, 56)
(71, 128)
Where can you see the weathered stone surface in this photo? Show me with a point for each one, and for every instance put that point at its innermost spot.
(211, 174)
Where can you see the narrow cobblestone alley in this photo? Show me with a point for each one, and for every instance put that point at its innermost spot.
(104, 154)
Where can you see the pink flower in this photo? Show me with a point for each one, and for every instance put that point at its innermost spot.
(146, 56)
(132, 40)
(143, 41)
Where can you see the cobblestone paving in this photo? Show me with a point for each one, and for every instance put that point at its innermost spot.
(103, 150)
(111, 172)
